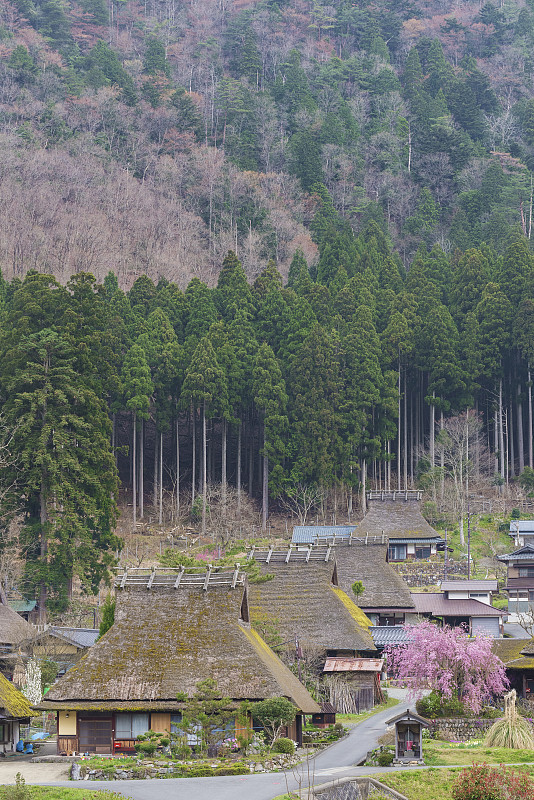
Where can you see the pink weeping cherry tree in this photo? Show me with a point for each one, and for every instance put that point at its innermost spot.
(451, 663)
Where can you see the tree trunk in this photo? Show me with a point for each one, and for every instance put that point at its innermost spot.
(134, 470)
(510, 431)
(405, 461)
(177, 470)
(530, 452)
(265, 485)
(114, 437)
(43, 517)
(442, 461)
(520, 442)
(141, 469)
(161, 478)
(399, 428)
(238, 476)
(501, 432)
(194, 455)
(155, 486)
(223, 464)
(251, 459)
(432, 432)
(204, 466)
(364, 485)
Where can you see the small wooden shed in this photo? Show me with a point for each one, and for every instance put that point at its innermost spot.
(408, 737)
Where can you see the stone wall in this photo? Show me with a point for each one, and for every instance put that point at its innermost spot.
(460, 729)
(427, 573)
(355, 789)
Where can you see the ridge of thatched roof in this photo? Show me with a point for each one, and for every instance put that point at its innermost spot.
(383, 586)
(397, 519)
(12, 701)
(13, 628)
(302, 602)
(515, 653)
(164, 641)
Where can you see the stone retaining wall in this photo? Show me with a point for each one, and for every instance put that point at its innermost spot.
(355, 789)
(460, 729)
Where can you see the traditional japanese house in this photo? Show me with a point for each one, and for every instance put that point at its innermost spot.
(304, 603)
(398, 516)
(14, 711)
(482, 591)
(386, 599)
(519, 581)
(517, 656)
(63, 645)
(522, 531)
(15, 633)
(476, 617)
(171, 631)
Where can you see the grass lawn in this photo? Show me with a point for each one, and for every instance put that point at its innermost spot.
(352, 719)
(55, 793)
(429, 784)
(437, 754)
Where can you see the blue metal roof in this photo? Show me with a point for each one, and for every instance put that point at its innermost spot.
(521, 526)
(308, 534)
(393, 540)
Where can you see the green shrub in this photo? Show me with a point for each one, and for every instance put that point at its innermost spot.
(434, 705)
(146, 747)
(164, 742)
(198, 772)
(17, 792)
(307, 739)
(233, 769)
(284, 745)
(385, 759)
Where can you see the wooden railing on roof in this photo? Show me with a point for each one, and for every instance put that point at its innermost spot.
(293, 553)
(406, 494)
(178, 578)
(350, 539)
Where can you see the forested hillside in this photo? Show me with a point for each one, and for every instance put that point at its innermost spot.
(153, 137)
(310, 230)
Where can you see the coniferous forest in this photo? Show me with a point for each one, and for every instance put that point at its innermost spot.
(271, 246)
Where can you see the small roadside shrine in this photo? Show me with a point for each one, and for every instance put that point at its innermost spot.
(408, 737)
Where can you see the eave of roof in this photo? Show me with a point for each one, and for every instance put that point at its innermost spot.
(438, 604)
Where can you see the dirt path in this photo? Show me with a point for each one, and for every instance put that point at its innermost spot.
(33, 773)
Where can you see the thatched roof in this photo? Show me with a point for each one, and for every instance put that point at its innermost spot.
(383, 586)
(515, 653)
(13, 628)
(12, 702)
(164, 641)
(302, 602)
(398, 519)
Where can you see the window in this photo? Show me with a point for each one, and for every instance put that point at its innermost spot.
(397, 552)
(130, 726)
(391, 619)
(526, 572)
(3, 732)
(422, 552)
(192, 738)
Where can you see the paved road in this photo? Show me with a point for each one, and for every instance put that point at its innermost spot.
(335, 762)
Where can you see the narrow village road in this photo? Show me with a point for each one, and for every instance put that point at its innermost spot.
(336, 762)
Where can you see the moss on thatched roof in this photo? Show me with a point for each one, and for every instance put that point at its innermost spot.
(514, 653)
(383, 586)
(164, 641)
(302, 603)
(13, 628)
(397, 519)
(13, 702)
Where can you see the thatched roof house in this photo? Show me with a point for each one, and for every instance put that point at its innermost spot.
(14, 710)
(386, 597)
(171, 631)
(15, 633)
(517, 656)
(398, 516)
(304, 601)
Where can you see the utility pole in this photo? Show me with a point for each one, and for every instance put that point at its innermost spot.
(468, 541)
(446, 561)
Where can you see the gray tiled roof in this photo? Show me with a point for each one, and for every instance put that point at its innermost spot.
(525, 553)
(80, 637)
(522, 526)
(469, 586)
(308, 534)
(437, 604)
(388, 634)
